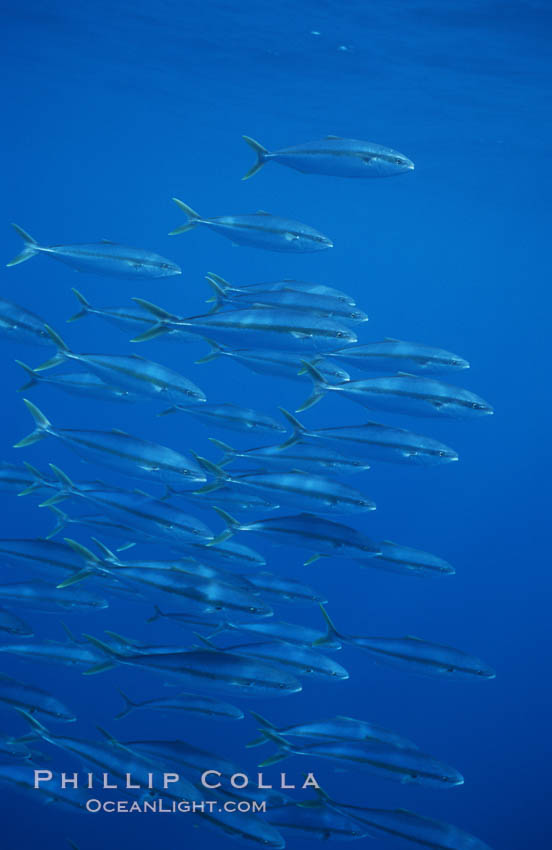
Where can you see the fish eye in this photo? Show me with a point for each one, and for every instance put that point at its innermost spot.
(165, 266)
(399, 161)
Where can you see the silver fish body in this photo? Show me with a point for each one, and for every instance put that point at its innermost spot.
(259, 230)
(334, 157)
(104, 258)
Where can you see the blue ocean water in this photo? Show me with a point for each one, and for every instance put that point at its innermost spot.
(112, 108)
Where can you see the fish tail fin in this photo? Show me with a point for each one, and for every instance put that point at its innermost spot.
(232, 525)
(107, 553)
(282, 752)
(261, 156)
(331, 631)
(157, 615)
(31, 247)
(66, 489)
(43, 426)
(62, 350)
(129, 706)
(39, 480)
(85, 306)
(228, 451)
(221, 288)
(216, 351)
(33, 381)
(61, 521)
(298, 429)
(320, 386)
(193, 218)
(265, 724)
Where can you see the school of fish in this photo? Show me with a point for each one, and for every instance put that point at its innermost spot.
(289, 487)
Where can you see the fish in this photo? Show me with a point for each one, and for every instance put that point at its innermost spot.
(296, 488)
(13, 625)
(322, 823)
(293, 633)
(259, 230)
(115, 758)
(33, 700)
(373, 440)
(319, 535)
(70, 654)
(233, 499)
(42, 596)
(42, 555)
(20, 325)
(333, 729)
(151, 518)
(290, 299)
(396, 355)
(121, 317)
(246, 827)
(211, 592)
(100, 524)
(186, 619)
(189, 566)
(183, 754)
(334, 156)
(283, 364)
(304, 661)
(382, 759)
(118, 450)
(130, 372)
(278, 285)
(84, 384)
(408, 561)
(192, 703)
(104, 258)
(415, 655)
(266, 326)
(228, 552)
(308, 457)
(209, 668)
(22, 778)
(403, 393)
(285, 589)
(401, 823)
(231, 416)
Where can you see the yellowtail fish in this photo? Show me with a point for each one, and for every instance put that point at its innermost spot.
(105, 258)
(259, 230)
(335, 157)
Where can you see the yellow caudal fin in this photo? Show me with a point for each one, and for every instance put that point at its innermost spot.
(193, 218)
(31, 247)
(262, 154)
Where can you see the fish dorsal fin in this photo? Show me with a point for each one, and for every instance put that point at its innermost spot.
(262, 212)
(336, 138)
(108, 242)
(413, 637)
(406, 375)
(118, 431)
(391, 339)
(389, 542)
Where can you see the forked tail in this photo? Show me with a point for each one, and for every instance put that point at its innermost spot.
(31, 247)
(262, 155)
